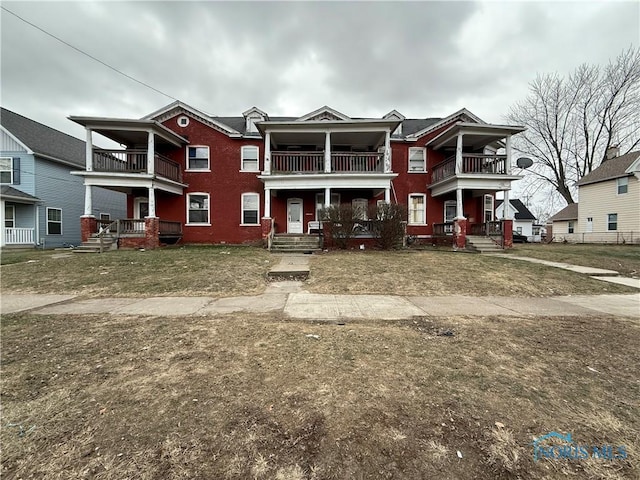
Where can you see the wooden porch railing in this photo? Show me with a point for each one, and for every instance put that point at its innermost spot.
(443, 229)
(19, 236)
(169, 228)
(313, 162)
(135, 161)
(297, 162)
(357, 162)
(471, 163)
(490, 229)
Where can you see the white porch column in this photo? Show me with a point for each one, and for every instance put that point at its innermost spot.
(459, 154)
(387, 195)
(88, 200)
(88, 148)
(387, 151)
(2, 227)
(327, 152)
(151, 166)
(327, 197)
(459, 206)
(506, 210)
(509, 155)
(267, 157)
(267, 202)
(152, 202)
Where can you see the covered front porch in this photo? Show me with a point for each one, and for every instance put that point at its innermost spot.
(19, 218)
(142, 169)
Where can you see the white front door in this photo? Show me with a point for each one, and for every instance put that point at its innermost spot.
(589, 224)
(294, 215)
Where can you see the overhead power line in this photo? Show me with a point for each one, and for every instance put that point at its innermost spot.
(86, 54)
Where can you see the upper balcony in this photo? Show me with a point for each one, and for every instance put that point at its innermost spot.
(314, 162)
(140, 164)
(135, 161)
(465, 167)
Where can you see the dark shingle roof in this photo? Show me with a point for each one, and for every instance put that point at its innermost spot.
(570, 212)
(522, 212)
(7, 191)
(44, 140)
(409, 126)
(610, 169)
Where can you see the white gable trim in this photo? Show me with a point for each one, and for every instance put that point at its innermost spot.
(16, 139)
(394, 114)
(635, 166)
(326, 110)
(178, 107)
(460, 113)
(255, 110)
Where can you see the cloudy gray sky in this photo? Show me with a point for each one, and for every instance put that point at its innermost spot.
(424, 59)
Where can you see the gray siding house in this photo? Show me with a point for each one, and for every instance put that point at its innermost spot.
(40, 201)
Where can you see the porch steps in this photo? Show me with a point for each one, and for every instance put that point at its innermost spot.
(92, 245)
(479, 244)
(295, 244)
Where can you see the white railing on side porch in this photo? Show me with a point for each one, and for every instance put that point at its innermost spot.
(19, 236)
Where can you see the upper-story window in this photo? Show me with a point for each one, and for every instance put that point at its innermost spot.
(249, 159)
(197, 158)
(417, 159)
(183, 121)
(623, 185)
(9, 170)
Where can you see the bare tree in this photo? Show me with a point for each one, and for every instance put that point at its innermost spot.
(571, 122)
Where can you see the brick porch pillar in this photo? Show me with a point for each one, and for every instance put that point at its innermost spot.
(88, 226)
(460, 232)
(507, 233)
(267, 224)
(151, 232)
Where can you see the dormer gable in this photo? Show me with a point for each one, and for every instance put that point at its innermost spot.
(395, 115)
(323, 113)
(251, 116)
(462, 115)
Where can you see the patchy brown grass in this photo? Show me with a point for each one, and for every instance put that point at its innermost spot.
(188, 271)
(445, 273)
(624, 259)
(243, 397)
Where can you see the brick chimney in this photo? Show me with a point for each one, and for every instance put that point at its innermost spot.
(612, 152)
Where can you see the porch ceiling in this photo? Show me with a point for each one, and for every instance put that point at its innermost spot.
(131, 132)
(371, 139)
(474, 135)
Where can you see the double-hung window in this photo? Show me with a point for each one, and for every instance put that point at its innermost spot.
(9, 170)
(250, 209)
(197, 158)
(249, 159)
(417, 159)
(417, 209)
(623, 185)
(197, 209)
(612, 221)
(54, 221)
(570, 228)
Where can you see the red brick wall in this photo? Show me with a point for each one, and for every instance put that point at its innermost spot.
(225, 185)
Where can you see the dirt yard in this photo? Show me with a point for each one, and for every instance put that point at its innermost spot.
(263, 397)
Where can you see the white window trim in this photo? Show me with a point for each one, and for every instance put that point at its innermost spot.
(13, 216)
(448, 203)
(182, 118)
(10, 170)
(608, 222)
(424, 160)
(320, 201)
(208, 169)
(60, 222)
(424, 210)
(242, 150)
(199, 224)
(618, 185)
(242, 224)
(366, 206)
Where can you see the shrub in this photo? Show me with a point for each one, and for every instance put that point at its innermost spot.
(342, 219)
(389, 226)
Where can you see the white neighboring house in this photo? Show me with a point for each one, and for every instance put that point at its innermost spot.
(609, 207)
(523, 219)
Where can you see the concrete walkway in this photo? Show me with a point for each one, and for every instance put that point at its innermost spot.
(610, 276)
(290, 299)
(291, 265)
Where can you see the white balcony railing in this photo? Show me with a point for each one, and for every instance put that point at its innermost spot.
(19, 236)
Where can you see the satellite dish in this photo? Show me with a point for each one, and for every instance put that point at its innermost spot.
(524, 162)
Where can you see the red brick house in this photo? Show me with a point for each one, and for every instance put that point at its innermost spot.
(198, 178)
